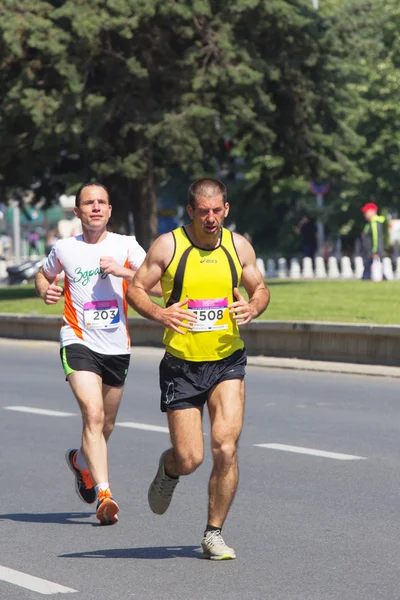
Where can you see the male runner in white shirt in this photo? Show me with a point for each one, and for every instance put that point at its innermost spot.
(95, 342)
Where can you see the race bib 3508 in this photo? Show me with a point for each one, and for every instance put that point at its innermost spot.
(211, 314)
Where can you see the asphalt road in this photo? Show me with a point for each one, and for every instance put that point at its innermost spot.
(304, 526)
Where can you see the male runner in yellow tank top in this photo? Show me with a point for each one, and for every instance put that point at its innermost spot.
(200, 267)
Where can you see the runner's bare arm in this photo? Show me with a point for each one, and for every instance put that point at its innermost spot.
(110, 266)
(47, 287)
(245, 311)
(147, 278)
(156, 290)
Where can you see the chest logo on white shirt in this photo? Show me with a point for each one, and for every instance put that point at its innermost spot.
(83, 277)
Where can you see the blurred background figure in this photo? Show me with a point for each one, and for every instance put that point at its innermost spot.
(52, 238)
(33, 243)
(307, 230)
(372, 238)
(6, 246)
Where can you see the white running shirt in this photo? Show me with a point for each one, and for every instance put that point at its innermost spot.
(95, 309)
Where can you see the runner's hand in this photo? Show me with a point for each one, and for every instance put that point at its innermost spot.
(54, 292)
(110, 266)
(174, 317)
(240, 310)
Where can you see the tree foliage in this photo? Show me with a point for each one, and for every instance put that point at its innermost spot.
(128, 91)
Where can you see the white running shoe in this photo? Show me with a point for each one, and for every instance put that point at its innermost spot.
(161, 489)
(215, 548)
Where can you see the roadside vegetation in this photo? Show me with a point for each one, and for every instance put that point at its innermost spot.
(335, 301)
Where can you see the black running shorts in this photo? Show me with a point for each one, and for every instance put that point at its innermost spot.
(185, 384)
(112, 368)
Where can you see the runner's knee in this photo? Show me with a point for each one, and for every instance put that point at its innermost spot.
(224, 451)
(188, 463)
(94, 418)
(108, 428)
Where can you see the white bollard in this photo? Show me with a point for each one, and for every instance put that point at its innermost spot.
(320, 271)
(282, 268)
(388, 268)
(295, 270)
(377, 270)
(271, 270)
(308, 272)
(358, 267)
(345, 267)
(333, 269)
(260, 266)
(3, 269)
(397, 271)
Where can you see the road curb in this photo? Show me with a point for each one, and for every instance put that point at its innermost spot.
(324, 366)
(257, 361)
(311, 341)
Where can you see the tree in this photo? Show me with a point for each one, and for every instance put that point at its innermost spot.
(127, 90)
(367, 31)
(305, 70)
(379, 120)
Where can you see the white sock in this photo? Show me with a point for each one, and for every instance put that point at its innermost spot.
(80, 461)
(101, 486)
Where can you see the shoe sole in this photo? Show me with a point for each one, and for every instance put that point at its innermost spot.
(151, 485)
(107, 512)
(71, 468)
(223, 557)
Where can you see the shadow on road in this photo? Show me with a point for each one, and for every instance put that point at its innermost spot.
(61, 518)
(156, 552)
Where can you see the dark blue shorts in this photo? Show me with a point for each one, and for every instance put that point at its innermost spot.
(185, 384)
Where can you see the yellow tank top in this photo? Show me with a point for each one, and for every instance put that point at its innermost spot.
(207, 279)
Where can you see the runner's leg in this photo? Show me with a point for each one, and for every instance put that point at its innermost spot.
(112, 398)
(87, 389)
(187, 452)
(183, 458)
(226, 409)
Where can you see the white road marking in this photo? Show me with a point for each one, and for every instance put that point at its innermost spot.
(311, 451)
(133, 425)
(56, 413)
(40, 411)
(271, 404)
(35, 584)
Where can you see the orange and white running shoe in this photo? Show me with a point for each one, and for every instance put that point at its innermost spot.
(107, 509)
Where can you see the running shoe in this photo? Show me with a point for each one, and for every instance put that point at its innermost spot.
(107, 509)
(161, 489)
(84, 485)
(215, 548)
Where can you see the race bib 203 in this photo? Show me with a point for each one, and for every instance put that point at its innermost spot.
(103, 314)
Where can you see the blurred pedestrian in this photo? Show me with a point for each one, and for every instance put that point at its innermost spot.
(372, 237)
(33, 242)
(51, 240)
(6, 244)
(307, 230)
